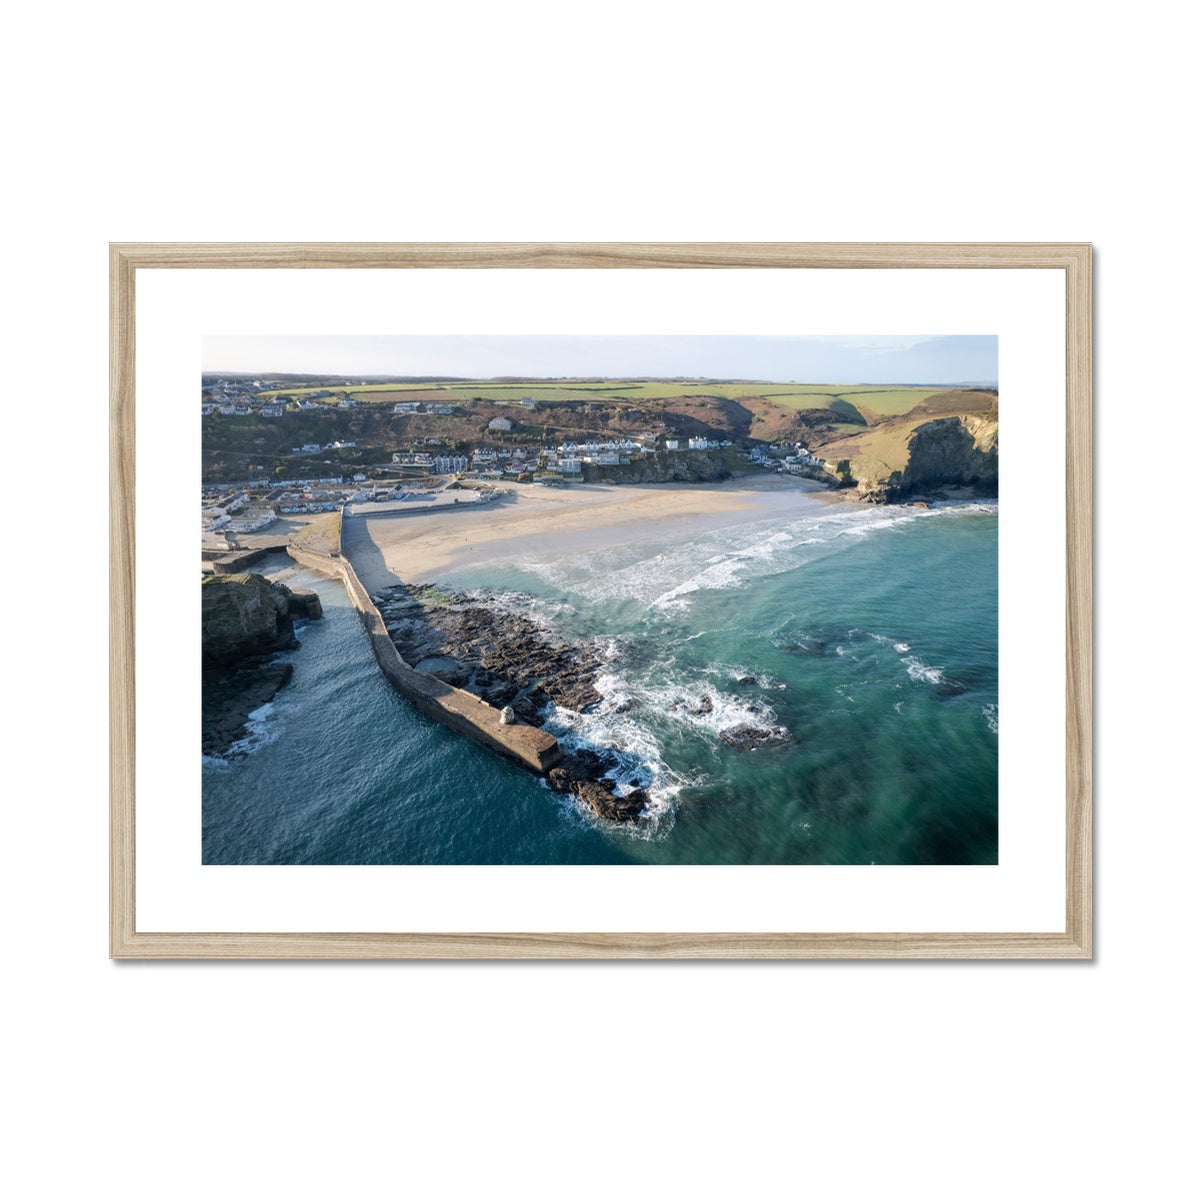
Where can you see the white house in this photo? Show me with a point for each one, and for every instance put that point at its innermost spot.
(501, 424)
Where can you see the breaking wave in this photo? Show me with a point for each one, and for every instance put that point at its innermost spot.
(666, 578)
(922, 672)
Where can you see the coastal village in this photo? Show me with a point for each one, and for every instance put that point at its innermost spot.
(415, 472)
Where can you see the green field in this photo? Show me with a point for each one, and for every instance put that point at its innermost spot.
(849, 400)
(887, 401)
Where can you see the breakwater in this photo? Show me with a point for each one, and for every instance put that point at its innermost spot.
(453, 707)
(235, 563)
(403, 508)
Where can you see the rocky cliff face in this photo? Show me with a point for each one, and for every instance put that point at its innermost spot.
(955, 452)
(947, 456)
(242, 616)
(693, 466)
(244, 620)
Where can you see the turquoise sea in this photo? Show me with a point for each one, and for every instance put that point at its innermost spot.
(870, 634)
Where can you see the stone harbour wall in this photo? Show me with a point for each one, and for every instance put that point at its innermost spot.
(456, 709)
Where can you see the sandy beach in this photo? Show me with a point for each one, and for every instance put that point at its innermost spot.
(418, 549)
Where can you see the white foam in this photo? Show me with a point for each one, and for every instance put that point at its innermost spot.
(664, 578)
(922, 672)
(262, 728)
(639, 759)
(738, 671)
(991, 714)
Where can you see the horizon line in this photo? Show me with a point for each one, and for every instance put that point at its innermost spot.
(533, 379)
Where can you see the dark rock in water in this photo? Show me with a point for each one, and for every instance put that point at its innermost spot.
(815, 649)
(591, 764)
(229, 697)
(949, 687)
(600, 795)
(701, 708)
(559, 779)
(582, 764)
(581, 774)
(750, 737)
(746, 681)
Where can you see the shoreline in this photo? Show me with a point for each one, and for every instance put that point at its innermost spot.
(421, 548)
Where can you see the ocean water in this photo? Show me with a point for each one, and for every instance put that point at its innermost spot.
(868, 634)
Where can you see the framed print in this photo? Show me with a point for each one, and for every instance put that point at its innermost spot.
(579, 600)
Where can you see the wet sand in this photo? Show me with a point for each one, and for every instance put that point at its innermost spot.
(421, 548)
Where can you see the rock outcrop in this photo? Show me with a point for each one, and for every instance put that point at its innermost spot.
(582, 773)
(949, 457)
(751, 737)
(692, 466)
(486, 648)
(246, 615)
(954, 452)
(244, 620)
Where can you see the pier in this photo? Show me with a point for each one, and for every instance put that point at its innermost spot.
(453, 707)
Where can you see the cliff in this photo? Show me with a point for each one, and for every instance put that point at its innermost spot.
(959, 452)
(243, 616)
(921, 455)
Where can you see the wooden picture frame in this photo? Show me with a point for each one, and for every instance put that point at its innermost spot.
(130, 941)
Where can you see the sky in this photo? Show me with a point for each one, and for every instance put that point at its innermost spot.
(886, 358)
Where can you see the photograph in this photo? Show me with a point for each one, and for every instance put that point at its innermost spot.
(586, 600)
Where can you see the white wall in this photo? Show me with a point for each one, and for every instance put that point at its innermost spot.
(887, 122)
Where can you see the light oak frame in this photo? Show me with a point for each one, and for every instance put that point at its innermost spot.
(126, 940)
